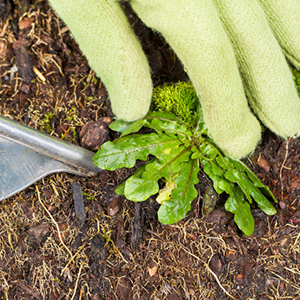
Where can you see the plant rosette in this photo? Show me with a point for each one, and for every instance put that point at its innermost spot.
(174, 153)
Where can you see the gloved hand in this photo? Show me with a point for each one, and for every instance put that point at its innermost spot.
(229, 48)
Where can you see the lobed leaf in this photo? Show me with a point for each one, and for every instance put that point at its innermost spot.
(236, 177)
(208, 150)
(223, 162)
(183, 194)
(169, 162)
(169, 127)
(126, 150)
(178, 151)
(139, 188)
(120, 190)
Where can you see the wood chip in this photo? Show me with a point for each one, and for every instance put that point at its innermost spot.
(25, 23)
(39, 231)
(63, 30)
(24, 62)
(29, 290)
(216, 265)
(263, 163)
(25, 88)
(78, 201)
(94, 134)
(113, 206)
(47, 39)
(63, 226)
(152, 271)
(2, 48)
(295, 183)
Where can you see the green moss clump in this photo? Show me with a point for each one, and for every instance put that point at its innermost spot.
(177, 98)
(46, 123)
(296, 74)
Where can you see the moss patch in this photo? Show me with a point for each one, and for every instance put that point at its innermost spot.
(296, 74)
(177, 98)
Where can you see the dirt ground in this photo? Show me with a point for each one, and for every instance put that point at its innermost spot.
(118, 250)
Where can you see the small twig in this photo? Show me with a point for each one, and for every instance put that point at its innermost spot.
(5, 282)
(55, 223)
(72, 258)
(285, 280)
(297, 238)
(76, 284)
(154, 233)
(282, 166)
(293, 270)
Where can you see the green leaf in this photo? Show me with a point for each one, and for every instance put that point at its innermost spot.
(169, 162)
(264, 189)
(224, 185)
(169, 127)
(196, 152)
(262, 202)
(251, 191)
(126, 150)
(235, 176)
(222, 162)
(209, 151)
(163, 116)
(119, 125)
(120, 190)
(183, 194)
(237, 205)
(135, 127)
(215, 178)
(141, 188)
(216, 168)
(178, 149)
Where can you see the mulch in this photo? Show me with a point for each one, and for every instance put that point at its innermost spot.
(116, 249)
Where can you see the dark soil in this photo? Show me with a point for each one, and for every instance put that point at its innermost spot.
(113, 248)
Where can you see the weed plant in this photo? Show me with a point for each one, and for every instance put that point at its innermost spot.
(174, 152)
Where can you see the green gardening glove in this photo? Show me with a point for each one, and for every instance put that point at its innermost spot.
(229, 48)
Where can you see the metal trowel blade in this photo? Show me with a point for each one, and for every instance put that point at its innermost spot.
(20, 167)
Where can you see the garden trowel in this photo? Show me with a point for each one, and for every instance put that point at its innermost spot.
(27, 155)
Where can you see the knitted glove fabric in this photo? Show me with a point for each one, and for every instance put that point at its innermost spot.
(104, 35)
(284, 16)
(197, 36)
(267, 78)
(228, 49)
